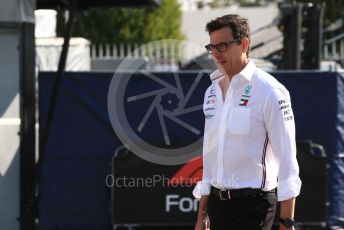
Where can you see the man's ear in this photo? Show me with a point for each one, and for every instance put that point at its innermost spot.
(245, 44)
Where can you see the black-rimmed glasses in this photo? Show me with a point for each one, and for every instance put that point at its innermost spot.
(220, 47)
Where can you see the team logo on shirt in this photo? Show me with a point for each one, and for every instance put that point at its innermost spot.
(245, 97)
(243, 102)
(247, 90)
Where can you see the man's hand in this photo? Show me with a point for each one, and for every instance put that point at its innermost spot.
(202, 223)
(199, 225)
(202, 217)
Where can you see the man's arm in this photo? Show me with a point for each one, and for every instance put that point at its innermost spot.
(202, 216)
(279, 120)
(287, 208)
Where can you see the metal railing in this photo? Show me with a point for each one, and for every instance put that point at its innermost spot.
(158, 50)
(163, 55)
(334, 48)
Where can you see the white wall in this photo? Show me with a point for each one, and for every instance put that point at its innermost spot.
(193, 25)
(48, 52)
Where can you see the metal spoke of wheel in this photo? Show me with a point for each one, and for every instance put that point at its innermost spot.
(183, 124)
(169, 87)
(163, 126)
(180, 92)
(191, 90)
(144, 95)
(187, 110)
(148, 113)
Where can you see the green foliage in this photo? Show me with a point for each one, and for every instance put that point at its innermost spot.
(220, 3)
(226, 3)
(127, 25)
(164, 23)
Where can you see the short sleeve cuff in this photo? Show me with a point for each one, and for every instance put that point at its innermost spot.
(202, 188)
(288, 189)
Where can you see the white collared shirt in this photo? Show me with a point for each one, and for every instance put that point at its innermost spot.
(249, 138)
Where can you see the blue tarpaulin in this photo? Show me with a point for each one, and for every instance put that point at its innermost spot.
(73, 191)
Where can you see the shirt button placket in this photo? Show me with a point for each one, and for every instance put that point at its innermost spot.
(222, 129)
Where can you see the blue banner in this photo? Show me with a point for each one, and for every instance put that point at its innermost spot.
(162, 111)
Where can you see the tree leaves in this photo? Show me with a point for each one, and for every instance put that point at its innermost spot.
(128, 25)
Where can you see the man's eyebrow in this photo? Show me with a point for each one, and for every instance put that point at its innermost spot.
(217, 43)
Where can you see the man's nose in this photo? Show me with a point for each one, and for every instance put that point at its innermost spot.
(217, 53)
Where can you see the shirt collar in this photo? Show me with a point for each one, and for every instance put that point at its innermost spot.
(247, 72)
(217, 74)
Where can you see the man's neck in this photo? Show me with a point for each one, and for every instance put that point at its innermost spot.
(236, 68)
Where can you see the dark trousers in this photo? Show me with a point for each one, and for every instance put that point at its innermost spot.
(245, 213)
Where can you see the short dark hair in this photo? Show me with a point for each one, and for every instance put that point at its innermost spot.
(239, 26)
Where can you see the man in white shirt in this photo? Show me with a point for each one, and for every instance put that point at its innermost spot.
(249, 152)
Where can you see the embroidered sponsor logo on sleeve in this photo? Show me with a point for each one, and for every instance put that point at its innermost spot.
(285, 108)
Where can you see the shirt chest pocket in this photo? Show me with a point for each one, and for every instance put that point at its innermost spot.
(239, 121)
